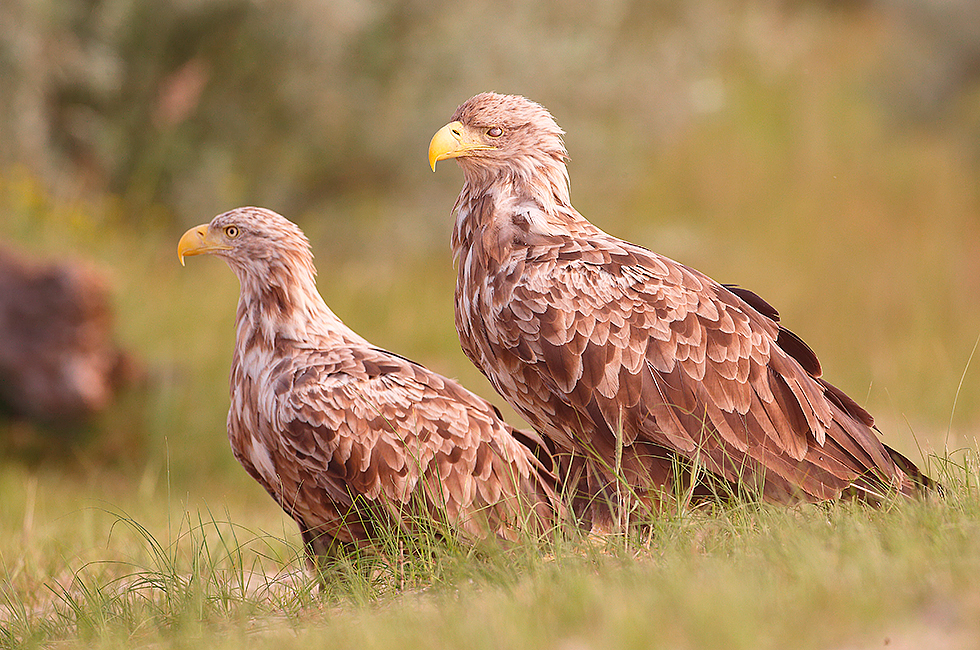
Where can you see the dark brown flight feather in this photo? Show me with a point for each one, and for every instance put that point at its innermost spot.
(630, 363)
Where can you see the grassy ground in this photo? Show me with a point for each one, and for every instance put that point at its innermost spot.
(864, 234)
(743, 577)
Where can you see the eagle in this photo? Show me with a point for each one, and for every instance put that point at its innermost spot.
(352, 441)
(644, 375)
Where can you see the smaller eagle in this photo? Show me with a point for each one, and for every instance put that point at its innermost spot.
(349, 439)
(629, 363)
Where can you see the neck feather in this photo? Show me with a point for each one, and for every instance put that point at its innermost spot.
(495, 198)
(280, 302)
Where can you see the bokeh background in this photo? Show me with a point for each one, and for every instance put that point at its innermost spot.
(825, 154)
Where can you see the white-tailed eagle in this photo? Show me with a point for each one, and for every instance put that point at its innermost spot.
(630, 364)
(349, 439)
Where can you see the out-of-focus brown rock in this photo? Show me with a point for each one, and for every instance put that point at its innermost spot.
(58, 361)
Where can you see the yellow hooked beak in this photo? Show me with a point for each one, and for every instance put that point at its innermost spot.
(198, 241)
(452, 141)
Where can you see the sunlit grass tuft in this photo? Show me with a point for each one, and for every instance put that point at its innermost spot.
(212, 573)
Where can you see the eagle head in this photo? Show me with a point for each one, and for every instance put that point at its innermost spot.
(251, 240)
(494, 132)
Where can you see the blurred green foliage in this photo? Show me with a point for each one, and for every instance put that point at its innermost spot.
(194, 105)
(766, 143)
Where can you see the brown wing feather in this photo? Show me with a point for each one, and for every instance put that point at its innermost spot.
(640, 344)
(375, 426)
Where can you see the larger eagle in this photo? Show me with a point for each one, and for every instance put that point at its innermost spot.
(353, 441)
(632, 364)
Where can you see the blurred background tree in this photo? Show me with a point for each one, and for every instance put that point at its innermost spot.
(823, 154)
(191, 104)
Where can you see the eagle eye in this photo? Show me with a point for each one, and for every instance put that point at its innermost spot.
(231, 232)
(495, 132)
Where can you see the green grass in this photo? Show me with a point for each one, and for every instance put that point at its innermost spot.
(744, 576)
